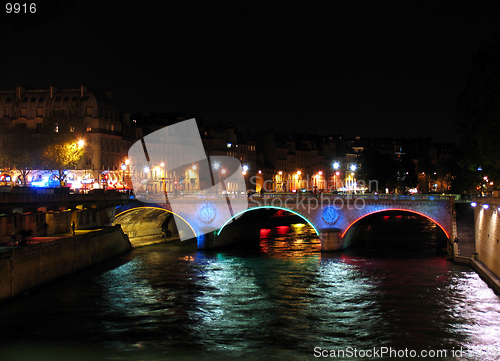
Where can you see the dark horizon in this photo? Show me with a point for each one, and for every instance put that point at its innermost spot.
(374, 70)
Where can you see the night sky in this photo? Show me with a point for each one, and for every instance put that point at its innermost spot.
(372, 68)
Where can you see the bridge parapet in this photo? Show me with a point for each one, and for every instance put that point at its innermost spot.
(54, 196)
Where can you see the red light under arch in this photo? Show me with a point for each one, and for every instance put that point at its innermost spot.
(396, 209)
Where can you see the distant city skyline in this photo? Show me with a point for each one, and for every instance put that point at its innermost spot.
(365, 69)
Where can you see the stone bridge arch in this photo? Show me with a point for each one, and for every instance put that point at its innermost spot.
(291, 210)
(345, 235)
(144, 225)
(439, 213)
(359, 217)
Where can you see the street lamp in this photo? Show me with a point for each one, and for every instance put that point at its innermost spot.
(216, 165)
(336, 165)
(124, 167)
(335, 179)
(353, 167)
(81, 143)
(245, 168)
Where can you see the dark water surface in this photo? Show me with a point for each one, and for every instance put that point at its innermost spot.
(277, 301)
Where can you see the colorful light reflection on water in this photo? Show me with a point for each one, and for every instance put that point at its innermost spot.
(172, 302)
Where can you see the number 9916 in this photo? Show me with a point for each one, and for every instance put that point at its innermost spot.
(17, 8)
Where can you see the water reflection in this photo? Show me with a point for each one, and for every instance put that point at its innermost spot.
(278, 301)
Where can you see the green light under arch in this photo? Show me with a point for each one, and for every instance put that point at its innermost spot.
(268, 207)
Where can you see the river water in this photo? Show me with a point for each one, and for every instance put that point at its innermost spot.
(279, 300)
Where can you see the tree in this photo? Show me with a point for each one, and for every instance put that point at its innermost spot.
(406, 175)
(17, 153)
(62, 142)
(477, 113)
(426, 170)
(378, 167)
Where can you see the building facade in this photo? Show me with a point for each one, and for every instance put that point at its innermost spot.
(105, 140)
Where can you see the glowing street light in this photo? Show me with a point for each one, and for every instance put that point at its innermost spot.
(353, 167)
(216, 165)
(473, 204)
(486, 206)
(280, 172)
(223, 171)
(81, 143)
(162, 164)
(245, 168)
(336, 165)
(124, 167)
(320, 173)
(127, 161)
(299, 172)
(146, 169)
(194, 167)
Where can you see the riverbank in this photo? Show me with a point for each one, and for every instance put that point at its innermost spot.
(151, 240)
(486, 275)
(25, 268)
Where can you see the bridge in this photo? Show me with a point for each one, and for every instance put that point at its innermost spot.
(24, 208)
(333, 217)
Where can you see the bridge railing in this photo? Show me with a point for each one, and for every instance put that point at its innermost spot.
(160, 198)
(55, 197)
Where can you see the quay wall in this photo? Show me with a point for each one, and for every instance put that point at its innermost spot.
(24, 268)
(487, 231)
(57, 222)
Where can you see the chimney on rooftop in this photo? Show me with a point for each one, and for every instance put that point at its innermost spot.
(20, 91)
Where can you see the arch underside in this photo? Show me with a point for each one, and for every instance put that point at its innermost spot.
(268, 207)
(397, 210)
(148, 222)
